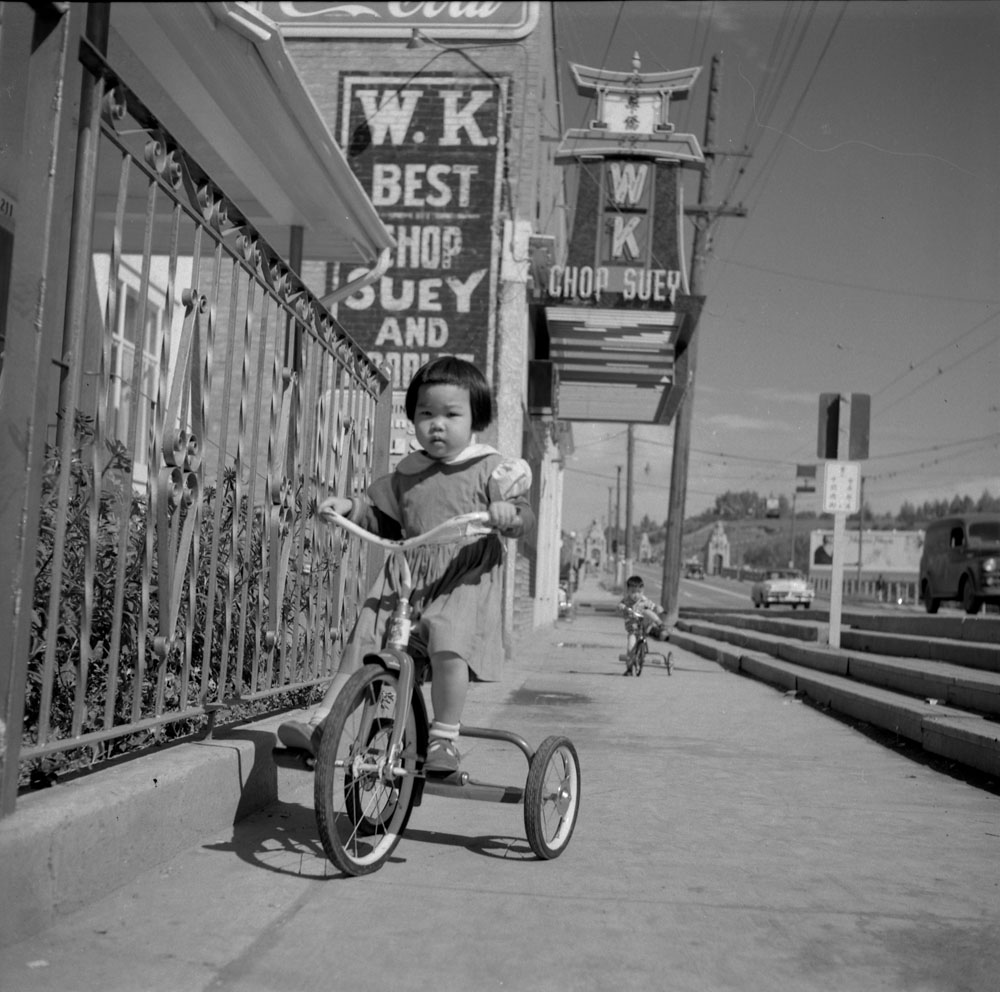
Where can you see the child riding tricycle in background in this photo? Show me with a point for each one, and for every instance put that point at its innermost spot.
(642, 619)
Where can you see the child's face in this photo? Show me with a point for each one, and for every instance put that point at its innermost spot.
(442, 420)
(634, 592)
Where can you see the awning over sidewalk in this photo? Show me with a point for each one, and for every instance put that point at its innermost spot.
(220, 80)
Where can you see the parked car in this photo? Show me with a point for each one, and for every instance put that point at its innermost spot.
(784, 586)
(961, 561)
(692, 570)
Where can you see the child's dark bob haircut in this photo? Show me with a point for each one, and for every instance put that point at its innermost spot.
(634, 580)
(451, 371)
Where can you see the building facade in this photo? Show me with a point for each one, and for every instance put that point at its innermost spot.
(189, 264)
(448, 116)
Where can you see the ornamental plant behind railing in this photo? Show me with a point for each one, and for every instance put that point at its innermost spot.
(163, 686)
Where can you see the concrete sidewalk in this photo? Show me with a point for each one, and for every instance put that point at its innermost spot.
(730, 838)
(68, 846)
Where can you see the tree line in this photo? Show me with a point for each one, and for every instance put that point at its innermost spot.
(750, 505)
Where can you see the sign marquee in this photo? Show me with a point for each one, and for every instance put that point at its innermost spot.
(618, 312)
(624, 242)
(632, 116)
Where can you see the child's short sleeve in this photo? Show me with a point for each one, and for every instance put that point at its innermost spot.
(510, 479)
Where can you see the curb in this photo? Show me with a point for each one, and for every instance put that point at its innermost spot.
(950, 733)
(77, 841)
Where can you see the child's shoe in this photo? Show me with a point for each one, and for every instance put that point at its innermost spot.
(442, 756)
(301, 736)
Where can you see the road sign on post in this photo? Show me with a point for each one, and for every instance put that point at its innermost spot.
(841, 493)
(841, 480)
(841, 487)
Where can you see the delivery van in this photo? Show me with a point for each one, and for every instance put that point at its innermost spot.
(961, 561)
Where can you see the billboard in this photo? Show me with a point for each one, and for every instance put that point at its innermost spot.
(890, 553)
(429, 152)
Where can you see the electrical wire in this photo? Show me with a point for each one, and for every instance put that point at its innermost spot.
(786, 53)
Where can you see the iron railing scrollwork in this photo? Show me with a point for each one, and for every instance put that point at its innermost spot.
(179, 566)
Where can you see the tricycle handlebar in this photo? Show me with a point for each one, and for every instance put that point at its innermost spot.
(453, 529)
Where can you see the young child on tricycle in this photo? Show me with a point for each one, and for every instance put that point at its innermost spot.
(640, 614)
(457, 595)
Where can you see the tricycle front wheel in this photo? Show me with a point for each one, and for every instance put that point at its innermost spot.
(361, 807)
(552, 797)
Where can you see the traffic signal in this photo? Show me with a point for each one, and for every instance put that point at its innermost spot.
(857, 445)
(829, 425)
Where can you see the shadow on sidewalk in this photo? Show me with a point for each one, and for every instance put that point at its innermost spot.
(281, 839)
(284, 839)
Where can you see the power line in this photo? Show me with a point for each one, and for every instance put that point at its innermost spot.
(949, 344)
(842, 284)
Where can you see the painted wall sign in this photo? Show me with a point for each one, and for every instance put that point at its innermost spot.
(429, 153)
(440, 19)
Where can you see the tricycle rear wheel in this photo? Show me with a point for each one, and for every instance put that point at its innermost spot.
(552, 797)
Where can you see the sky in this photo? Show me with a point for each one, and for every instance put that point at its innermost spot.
(868, 261)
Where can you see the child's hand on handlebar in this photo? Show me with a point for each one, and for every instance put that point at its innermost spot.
(334, 504)
(504, 516)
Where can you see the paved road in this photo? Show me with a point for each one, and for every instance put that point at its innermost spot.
(730, 838)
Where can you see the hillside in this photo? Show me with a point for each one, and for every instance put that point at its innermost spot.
(751, 539)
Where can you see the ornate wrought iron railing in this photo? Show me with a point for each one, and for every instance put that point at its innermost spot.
(207, 400)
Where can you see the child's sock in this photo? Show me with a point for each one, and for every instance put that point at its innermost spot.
(444, 731)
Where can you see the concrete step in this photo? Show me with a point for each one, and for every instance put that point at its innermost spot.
(982, 629)
(967, 641)
(956, 685)
(970, 654)
(956, 734)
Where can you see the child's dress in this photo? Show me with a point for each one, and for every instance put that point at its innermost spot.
(457, 587)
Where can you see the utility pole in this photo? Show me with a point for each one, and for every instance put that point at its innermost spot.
(629, 550)
(791, 550)
(607, 531)
(703, 215)
(618, 524)
(861, 527)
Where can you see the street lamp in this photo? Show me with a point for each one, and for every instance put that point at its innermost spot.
(419, 39)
